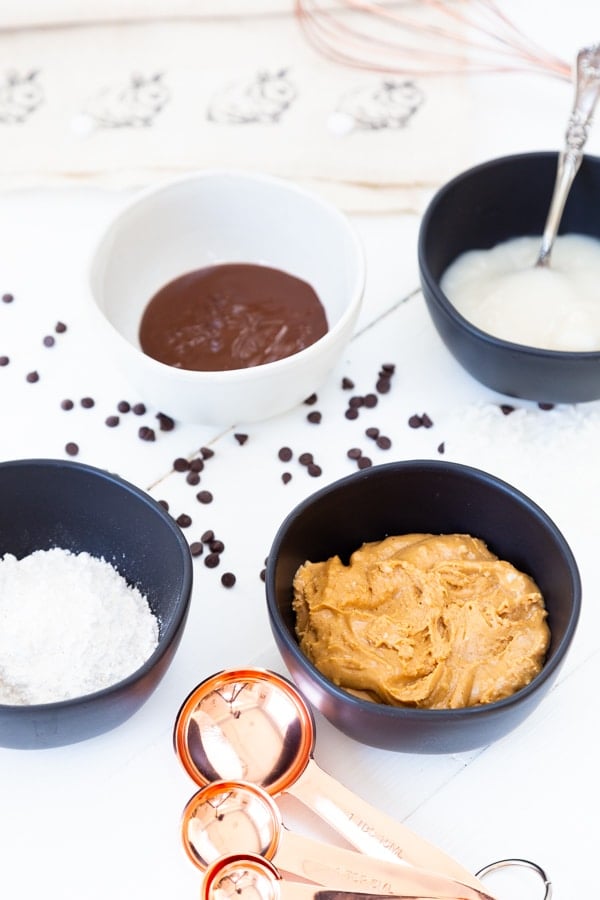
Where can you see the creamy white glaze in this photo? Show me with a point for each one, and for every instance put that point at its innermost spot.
(555, 308)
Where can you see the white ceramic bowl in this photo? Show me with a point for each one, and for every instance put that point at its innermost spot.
(213, 217)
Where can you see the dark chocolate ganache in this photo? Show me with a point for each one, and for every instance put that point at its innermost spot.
(231, 316)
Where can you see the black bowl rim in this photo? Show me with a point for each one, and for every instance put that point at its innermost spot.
(433, 284)
(400, 713)
(165, 637)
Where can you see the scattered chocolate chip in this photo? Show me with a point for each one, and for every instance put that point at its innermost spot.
(138, 409)
(181, 464)
(146, 434)
(67, 404)
(204, 497)
(314, 417)
(364, 462)
(371, 400)
(310, 400)
(184, 521)
(164, 504)
(546, 405)
(32, 377)
(212, 560)
(441, 448)
(351, 413)
(60, 328)
(208, 536)
(415, 421)
(4, 360)
(196, 548)
(49, 341)
(72, 448)
(347, 384)
(7, 298)
(112, 421)
(354, 453)
(305, 459)
(507, 409)
(123, 406)
(372, 433)
(216, 546)
(197, 464)
(285, 454)
(192, 478)
(383, 442)
(286, 477)
(165, 423)
(87, 402)
(228, 579)
(206, 452)
(263, 574)
(388, 368)
(426, 421)
(241, 438)
(356, 402)
(314, 470)
(383, 385)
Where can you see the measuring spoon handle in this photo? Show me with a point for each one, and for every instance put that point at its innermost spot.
(587, 91)
(371, 830)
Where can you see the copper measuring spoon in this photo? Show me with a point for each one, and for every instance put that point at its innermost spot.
(254, 725)
(226, 817)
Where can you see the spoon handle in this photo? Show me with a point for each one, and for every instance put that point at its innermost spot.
(587, 91)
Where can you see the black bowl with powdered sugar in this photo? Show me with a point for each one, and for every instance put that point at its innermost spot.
(95, 586)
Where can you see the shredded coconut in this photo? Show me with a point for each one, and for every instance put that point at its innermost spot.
(69, 625)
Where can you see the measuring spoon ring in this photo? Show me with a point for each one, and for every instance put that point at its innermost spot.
(254, 725)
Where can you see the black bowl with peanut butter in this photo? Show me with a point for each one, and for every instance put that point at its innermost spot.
(422, 606)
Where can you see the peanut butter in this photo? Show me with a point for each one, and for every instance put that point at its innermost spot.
(422, 620)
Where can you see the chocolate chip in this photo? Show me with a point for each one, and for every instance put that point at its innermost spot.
(49, 341)
(72, 448)
(314, 417)
(123, 406)
(4, 360)
(216, 546)
(263, 574)
(241, 438)
(371, 400)
(87, 402)
(204, 497)
(7, 298)
(388, 368)
(354, 453)
(286, 477)
(196, 548)
(192, 478)
(197, 464)
(441, 448)
(383, 442)
(181, 464)
(285, 454)
(364, 462)
(415, 421)
(146, 434)
(351, 413)
(184, 521)
(356, 402)
(165, 423)
(212, 560)
(383, 385)
(206, 452)
(66, 404)
(427, 422)
(507, 409)
(112, 421)
(60, 328)
(372, 433)
(164, 504)
(311, 400)
(546, 405)
(138, 409)
(305, 459)
(314, 470)
(32, 377)
(208, 536)
(228, 579)
(347, 384)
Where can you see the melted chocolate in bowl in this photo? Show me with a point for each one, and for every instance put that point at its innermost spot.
(231, 316)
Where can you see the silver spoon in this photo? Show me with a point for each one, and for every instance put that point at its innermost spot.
(587, 91)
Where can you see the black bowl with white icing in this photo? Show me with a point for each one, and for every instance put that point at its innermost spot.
(491, 203)
(49, 503)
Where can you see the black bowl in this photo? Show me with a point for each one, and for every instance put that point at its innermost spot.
(52, 503)
(490, 203)
(431, 497)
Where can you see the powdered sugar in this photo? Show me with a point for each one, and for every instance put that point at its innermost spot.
(69, 625)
